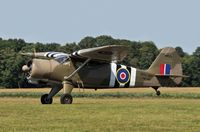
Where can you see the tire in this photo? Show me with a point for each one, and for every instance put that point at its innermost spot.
(158, 93)
(44, 99)
(66, 99)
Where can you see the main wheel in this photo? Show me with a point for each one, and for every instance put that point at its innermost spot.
(66, 99)
(158, 93)
(44, 99)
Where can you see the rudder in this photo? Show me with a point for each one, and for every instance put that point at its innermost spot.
(167, 64)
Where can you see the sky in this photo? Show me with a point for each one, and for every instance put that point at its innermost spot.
(165, 22)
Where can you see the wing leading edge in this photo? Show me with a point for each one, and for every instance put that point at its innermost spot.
(108, 53)
(46, 54)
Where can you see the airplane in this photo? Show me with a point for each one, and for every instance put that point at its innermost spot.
(98, 68)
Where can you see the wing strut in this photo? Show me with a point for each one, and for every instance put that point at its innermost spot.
(78, 69)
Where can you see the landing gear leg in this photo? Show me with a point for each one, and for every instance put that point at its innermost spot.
(48, 98)
(157, 91)
(66, 98)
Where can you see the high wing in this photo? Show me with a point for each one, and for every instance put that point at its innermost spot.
(108, 53)
(46, 54)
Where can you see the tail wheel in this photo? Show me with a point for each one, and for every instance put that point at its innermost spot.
(158, 93)
(44, 99)
(66, 99)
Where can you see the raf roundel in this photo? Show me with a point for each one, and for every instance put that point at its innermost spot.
(123, 75)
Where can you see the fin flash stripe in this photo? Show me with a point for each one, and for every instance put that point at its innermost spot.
(165, 69)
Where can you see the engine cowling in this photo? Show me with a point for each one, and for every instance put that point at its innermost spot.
(43, 71)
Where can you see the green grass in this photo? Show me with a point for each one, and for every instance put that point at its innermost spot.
(103, 110)
(89, 114)
(106, 95)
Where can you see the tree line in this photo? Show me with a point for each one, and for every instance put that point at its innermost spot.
(140, 55)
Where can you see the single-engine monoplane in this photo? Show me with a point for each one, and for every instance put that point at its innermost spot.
(97, 68)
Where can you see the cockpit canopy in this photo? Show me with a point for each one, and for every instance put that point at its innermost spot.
(62, 59)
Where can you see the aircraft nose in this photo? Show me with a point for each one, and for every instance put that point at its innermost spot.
(41, 69)
(25, 69)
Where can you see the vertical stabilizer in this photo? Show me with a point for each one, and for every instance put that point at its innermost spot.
(167, 64)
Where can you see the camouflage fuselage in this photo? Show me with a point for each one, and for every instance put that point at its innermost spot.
(93, 75)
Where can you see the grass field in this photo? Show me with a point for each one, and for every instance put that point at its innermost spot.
(102, 114)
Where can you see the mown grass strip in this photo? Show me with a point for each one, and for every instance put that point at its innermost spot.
(106, 95)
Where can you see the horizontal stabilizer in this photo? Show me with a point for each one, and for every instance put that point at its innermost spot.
(171, 75)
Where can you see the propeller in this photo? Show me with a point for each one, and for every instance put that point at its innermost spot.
(28, 67)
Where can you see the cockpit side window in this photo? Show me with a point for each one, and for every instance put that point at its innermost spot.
(62, 59)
